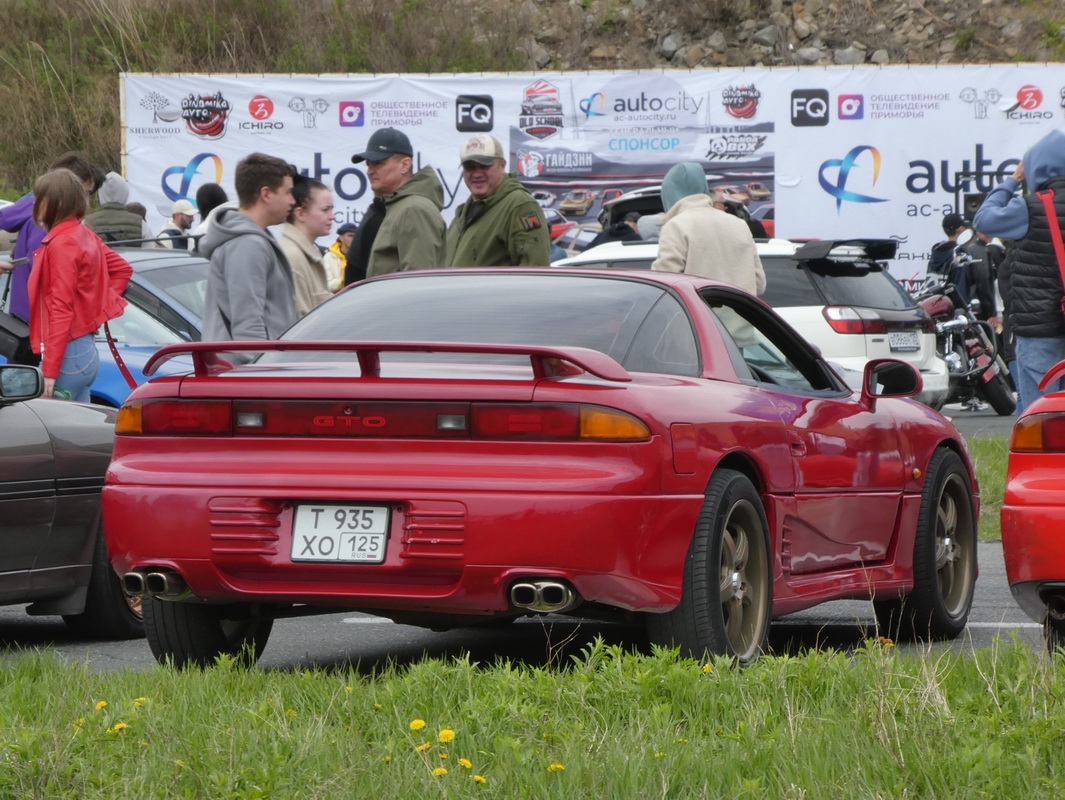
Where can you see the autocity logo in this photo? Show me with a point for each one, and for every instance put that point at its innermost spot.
(206, 115)
(809, 108)
(734, 145)
(541, 110)
(842, 168)
(594, 106)
(352, 113)
(474, 113)
(530, 163)
(741, 102)
(980, 99)
(261, 108)
(187, 173)
(850, 106)
(1029, 99)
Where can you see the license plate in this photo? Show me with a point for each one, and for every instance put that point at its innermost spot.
(352, 534)
(904, 340)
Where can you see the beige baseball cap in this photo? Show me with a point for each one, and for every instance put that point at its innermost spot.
(482, 149)
(183, 207)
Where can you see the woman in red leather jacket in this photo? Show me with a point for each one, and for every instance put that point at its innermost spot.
(76, 285)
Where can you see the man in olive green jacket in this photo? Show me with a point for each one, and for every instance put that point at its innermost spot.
(412, 233)
(501, 225)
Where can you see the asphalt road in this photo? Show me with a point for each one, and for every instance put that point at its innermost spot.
(984, 422)
(363, 643)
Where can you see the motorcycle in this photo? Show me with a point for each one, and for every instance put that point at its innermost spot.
(976, 370)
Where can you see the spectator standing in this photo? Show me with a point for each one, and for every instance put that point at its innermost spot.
(18, 218)
(624, 231)
(311, 217)
(1033, 221)
(112, 221)
(335, 258)
(209, 197)
(942, 262)
(411, 235)
(698, 239)
(175, 234)
(138, 209)
(987, 255)
(501, 225)
(250, 291)
(75, 287)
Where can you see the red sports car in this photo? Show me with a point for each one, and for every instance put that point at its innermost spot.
(1033, 512)
(446, 448)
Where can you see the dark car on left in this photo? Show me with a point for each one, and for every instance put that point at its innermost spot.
(53, 456)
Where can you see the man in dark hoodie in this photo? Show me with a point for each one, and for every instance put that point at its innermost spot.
(411, 235)
(1036, 289)
(250, 290)
(501, 225)
(941, 263)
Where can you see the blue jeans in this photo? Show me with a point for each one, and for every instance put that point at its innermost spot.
(78, 370)
(1036, 355)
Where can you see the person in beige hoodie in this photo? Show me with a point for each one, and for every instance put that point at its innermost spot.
(699, 239)
(310, 218)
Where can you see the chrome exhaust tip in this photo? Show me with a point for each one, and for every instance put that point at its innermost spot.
(133, 583)
(167, 585)
(544, 596)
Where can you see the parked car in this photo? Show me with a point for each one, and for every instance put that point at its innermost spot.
(766, 214)
(171, 285)
(757, 191)
(577, 202)
(610, 194)
(837, 294)
(52, 460)
(1033, 512)
(466, 446)
(732, 192)
(545, 198)
(557, 224)
(645, 200)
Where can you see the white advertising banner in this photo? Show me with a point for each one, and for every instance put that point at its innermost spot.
(818, 152)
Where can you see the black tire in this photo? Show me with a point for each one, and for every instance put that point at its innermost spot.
(727, 596)
(1054, 633)
(109, 612)
(195, 634)
(997, 392)
(944, 558)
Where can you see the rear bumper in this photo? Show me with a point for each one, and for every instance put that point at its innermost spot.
(446, 553)
(1033, 547)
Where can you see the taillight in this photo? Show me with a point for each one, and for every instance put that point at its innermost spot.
(562, 422)
(347, 418)
(1039, 433)
(847, 319)
(176, 417)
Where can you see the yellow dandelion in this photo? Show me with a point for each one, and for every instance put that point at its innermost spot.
(446, 736)
(100, 704)
(444, 755)
(423, 747)
(682, 740)
(439, 771)
(480, 779)
(659, 754)
(291, 712)
(556, 767)
(139, 702)
(348, 689)
(387, 759)
(465, 762)
(707, 668)
(886, 642)
(417, 724)
(377, 706)
(181, 763)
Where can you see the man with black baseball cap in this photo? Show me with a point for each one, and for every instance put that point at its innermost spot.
(402, 229)
(942, 259)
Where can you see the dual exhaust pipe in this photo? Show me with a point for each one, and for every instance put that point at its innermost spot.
(165, 584)
(544, 596)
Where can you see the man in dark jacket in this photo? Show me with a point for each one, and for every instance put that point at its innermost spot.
(1036, 289)
(624, 231)
(942, 262)
(501, 225)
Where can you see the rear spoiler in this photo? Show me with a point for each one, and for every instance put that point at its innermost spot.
(547, 362)
(876, 249)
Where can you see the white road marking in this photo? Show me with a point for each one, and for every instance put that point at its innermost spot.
(1006, 625)
(367, 621)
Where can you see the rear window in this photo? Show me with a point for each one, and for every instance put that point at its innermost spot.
(185, 282)
(790, 282)
(643, 327)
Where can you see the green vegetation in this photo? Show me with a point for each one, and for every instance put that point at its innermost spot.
(609, 724)
(963, 37)
(989, 454)
(1054, 35)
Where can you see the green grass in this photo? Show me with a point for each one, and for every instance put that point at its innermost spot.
(989, 454)
(609, 724)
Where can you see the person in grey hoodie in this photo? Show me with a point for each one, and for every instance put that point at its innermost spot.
(250, 290)
(1036, 288)
(411, 236)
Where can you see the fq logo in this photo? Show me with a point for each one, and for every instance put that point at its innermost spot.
(352, 113)
(844, 166)
(473, 112)
(187, 173)
(809, 107)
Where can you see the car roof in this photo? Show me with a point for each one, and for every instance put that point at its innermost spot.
(146, 258)
(877, 249)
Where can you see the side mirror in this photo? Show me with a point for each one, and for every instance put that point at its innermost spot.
(19, 382)
(888, 377)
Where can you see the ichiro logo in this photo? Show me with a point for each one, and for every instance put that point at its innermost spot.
(844, 166)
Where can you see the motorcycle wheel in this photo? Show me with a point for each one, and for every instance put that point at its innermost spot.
(997, 392)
